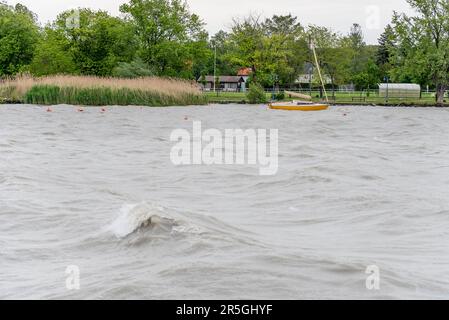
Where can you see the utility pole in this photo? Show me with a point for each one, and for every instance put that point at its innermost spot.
(311, 71)
(215, 67)
(310, 66)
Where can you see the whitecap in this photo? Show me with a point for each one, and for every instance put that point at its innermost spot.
(134, 217)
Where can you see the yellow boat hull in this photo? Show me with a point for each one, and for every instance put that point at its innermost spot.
(292, 107)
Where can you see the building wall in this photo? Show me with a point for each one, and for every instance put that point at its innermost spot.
(226, 86)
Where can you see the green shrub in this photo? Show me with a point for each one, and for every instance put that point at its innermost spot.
(256, 94)
(280, 96)
(134, 69)
(44, 94)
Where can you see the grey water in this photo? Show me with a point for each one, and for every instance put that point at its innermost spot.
(356, 187)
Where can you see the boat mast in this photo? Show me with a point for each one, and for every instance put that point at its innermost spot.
(319, 70)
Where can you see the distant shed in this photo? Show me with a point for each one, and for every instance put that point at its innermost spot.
(399, 90)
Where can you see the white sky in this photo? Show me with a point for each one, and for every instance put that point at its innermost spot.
(338, 14)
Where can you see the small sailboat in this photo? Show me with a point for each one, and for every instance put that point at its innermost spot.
(306, 103)
(292, 106)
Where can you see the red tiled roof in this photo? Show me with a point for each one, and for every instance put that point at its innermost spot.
(244, 72)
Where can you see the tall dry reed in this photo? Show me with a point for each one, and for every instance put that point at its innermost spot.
(16, 88)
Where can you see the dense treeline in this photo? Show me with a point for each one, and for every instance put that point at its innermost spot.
(156, 37)
(163, 38)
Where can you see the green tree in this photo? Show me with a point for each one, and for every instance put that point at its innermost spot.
(333, 53)
(221, 40)
(171, 39)
(200, 54)
(274, 49)
(18, 37)
(361, 54)
(98, 44)
(247, 46)
(20, 8)
(386, 44)
(286, 51)
(368, 78)
(383, 55)
(355, 37)
(422, 48)
(51, 56)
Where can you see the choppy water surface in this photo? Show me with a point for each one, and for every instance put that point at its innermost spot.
(99, 191)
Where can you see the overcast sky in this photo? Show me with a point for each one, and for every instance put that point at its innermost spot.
(338, 14)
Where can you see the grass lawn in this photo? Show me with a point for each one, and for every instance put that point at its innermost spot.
(340, 98)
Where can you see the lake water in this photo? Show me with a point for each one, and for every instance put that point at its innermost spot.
(356, 187)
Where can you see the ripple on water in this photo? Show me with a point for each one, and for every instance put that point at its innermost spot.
(366, 189)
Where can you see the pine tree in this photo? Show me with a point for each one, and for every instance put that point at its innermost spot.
(385, 44)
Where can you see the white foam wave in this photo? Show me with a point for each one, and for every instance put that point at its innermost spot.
(136, 216)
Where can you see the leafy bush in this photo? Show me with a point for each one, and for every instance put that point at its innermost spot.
(135, 69)
(280, 96)
(256, 94)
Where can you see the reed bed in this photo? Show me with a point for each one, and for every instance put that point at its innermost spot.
(96, 91)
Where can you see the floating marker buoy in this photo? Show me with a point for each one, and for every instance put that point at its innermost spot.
(103, 110)
(49, 109)
(80, 110)
(186, 118)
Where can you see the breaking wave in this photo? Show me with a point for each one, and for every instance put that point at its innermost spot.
(143, 217)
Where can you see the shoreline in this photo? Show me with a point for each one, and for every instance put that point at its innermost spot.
(401, 105)
(369, 104)
(340, 104)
